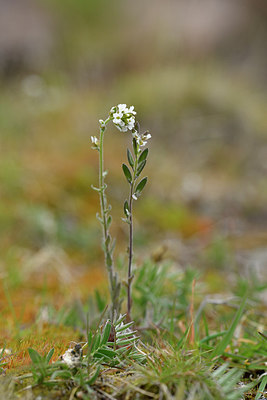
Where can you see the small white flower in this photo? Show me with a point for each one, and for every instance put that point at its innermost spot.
(141, 139)
(134, 197)
(112, 110)
(94, 140)
(131, 123)
(122, 108)
(131, 110)
(102, 123)
(146, 136)
(117, 116)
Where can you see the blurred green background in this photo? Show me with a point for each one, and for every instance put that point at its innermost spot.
(196, 74)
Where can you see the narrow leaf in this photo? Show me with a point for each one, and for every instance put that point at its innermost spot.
(262, 387)
(106, 333)
(135, 147)
(141, 167)
(108, 240)
(143, 156)
(96, 342)
(50, 355)
(92, 380)
(61, 374)
(108, 260)
(127, 173)
(35, 356)
(219, 349)
(141, 185)
(123, 327)
(109, 220)
(126, 342)
(89, 340)
(126, 209)
(130, 158)
(106, 352)
(100, 301)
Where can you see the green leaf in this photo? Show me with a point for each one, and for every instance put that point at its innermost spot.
(124, 327)
(106, 353)
(141, 186)
(143, 156)
(90, 339)
(100, 301)
(35, 356)
(65, 374)
(109, 260)
(262, 387)
(93, 378)
(120, 319)
(108, 239)
(96, 342)
(106, 333)
(221, 346)
(50, 355)
(109, 220)
(126, 342)
(135, 147)
(126, 209)
(130, 158)
(141, 167)
(127, 173)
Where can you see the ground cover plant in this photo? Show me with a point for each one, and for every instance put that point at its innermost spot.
(156, 335)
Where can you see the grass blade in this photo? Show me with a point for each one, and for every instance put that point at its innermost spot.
(221, 346)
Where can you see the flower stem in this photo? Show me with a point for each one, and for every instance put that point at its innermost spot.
(130, 259)
(114, 285)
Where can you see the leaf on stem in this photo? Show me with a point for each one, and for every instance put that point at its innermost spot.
(140, 167)
(140, 186)
(126, 209)
(127, 173)
(130, 158)
(109, 220)
(143, 156)
(106, 333)
(135, 148)
(108, 239)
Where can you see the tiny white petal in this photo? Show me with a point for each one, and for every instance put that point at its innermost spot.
(102, 123)
(134, 197)
(122, 108)
(147, 136)
(94, 140)
(131, 110)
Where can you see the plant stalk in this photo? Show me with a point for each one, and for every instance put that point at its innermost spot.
(113, 280)
(130, 259)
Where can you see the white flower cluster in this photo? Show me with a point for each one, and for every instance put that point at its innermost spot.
(123, 117)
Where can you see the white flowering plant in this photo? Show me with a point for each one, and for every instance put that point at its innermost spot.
(124, 118)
